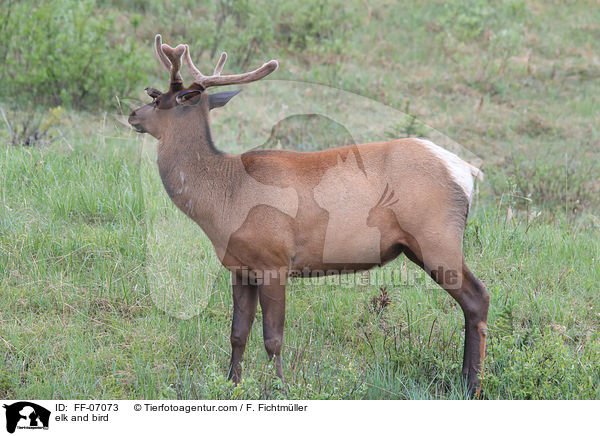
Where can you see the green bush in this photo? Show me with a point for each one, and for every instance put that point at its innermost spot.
(468, 20)
(249, 30)
(61, 52)
(498, 27)
(552, 185)
(314, 25)
(541, 366)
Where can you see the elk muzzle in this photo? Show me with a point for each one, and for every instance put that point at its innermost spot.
(134, 122)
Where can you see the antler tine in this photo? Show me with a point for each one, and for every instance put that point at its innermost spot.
(194, 71)
(169, 57)
(217, 80)
(234, 79)
(161, 56)
(220, 64)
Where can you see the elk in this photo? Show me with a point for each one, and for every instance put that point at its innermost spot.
(278, 214)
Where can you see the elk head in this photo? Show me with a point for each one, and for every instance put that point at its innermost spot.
(180, 103)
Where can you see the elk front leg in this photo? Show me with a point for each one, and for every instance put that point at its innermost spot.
(245, 298)
(272, 302)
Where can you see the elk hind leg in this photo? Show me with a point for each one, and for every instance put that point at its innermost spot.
(443, 261)
(474, 301)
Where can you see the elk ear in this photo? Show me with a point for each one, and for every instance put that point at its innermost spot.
(221, 98)
(185, 98)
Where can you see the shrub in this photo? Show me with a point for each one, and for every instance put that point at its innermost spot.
(551, 184)
(32, 127)
(314, 25)
(497, 26)
(247, 29)
(542, 366)
(61, 52)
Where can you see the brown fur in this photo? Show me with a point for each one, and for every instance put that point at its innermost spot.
(286, 213)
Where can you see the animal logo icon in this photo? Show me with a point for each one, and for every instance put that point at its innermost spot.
(25, 414)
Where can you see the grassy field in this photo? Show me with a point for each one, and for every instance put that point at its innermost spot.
(103, 282)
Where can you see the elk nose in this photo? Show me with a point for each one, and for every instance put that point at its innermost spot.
(132, 118)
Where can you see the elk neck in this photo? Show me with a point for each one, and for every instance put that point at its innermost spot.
(195, 174)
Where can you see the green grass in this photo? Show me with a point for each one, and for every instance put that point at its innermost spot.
(108, 291)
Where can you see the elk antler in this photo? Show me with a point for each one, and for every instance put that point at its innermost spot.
(169, 57)
(217, 80)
